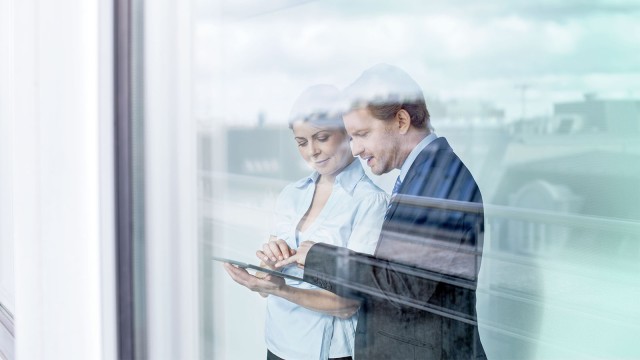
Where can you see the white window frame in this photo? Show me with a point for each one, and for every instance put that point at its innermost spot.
(61, 173)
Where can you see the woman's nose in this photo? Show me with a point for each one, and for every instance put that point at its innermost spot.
(313, 149)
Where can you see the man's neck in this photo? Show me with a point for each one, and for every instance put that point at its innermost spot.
(410, 140)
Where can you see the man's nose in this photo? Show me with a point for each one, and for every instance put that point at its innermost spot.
(356, 148)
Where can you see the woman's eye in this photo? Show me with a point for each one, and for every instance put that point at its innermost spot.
(301, 144)
(323, 138)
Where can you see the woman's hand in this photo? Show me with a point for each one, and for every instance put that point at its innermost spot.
(263, 283)
(273, 251)
(299, 257)
(262, 275)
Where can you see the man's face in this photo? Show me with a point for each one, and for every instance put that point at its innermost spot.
(373, 140)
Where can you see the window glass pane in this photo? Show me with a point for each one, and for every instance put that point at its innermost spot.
(540, 101)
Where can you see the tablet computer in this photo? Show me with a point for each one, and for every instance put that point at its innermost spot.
(243, 265)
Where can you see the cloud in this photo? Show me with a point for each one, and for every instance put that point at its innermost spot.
(457, 49)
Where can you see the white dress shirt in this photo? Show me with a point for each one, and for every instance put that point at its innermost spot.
(352, 218)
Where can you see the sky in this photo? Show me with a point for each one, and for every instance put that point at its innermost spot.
(254, 57)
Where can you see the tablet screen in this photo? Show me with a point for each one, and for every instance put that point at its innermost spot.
(256, 267)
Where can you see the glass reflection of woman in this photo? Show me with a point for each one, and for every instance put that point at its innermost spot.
(336, 204)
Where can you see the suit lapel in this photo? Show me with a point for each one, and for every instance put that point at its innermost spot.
(418, 175)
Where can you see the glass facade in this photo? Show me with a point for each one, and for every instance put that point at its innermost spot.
(540, 101)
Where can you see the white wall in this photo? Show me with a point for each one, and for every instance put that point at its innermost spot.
(59, 136)
(7, 284)
(6, 155)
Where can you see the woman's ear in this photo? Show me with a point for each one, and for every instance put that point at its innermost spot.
(404, 121)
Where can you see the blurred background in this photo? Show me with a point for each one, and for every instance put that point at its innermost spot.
(540, 100)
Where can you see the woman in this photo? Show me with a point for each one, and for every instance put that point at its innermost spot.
(336, 204)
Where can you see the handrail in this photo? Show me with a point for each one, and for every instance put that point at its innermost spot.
(533, 215)
(490, 210)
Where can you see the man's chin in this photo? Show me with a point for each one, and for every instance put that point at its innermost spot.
(376, 171)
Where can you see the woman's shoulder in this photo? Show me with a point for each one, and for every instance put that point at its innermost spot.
(291, 192)
(367, 189)
(298, 185)
(361, 182)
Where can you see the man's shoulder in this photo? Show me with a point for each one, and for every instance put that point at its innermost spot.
(438, 154)
(439, 172)
(438, 147)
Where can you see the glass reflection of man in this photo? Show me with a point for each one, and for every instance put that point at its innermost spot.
(417, 291)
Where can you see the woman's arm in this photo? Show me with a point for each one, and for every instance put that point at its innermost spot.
(319, 300)
(313, 299)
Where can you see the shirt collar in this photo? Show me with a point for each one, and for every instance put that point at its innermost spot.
(414, 154)
(347, 179)
(350, 176)
(312, 178)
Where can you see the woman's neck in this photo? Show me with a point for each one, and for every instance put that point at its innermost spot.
(331, 178)
(326, 179)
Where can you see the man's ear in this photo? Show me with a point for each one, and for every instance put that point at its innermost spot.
(404, 121)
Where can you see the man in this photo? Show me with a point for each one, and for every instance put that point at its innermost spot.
(417, 291)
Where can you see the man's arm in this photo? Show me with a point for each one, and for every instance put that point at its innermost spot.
(451, 265)
(355, 275)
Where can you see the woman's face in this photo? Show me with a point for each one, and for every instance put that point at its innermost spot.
(325, 149)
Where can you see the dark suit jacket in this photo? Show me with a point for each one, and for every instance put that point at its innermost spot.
(418, 289)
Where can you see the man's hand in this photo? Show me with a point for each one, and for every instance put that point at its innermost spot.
(275, 250)
(263, 284)
(299, 257)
